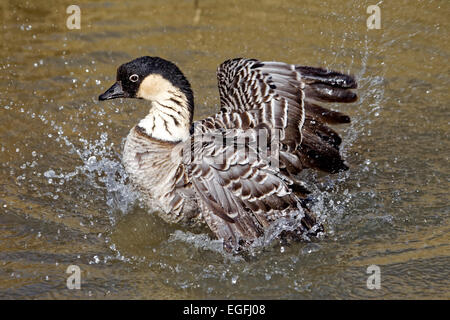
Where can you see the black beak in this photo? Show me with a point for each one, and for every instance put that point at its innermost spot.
(114, 92)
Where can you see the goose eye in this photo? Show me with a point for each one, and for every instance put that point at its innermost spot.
(134, 78)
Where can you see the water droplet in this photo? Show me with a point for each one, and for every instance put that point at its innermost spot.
(49, 174)
(92, 160)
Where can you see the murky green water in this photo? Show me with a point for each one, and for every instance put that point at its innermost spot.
(64, 198)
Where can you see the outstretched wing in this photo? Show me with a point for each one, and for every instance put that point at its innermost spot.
(289, 98)
(239, 188)
(250, 87)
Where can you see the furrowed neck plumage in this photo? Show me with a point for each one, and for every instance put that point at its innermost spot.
(170, 115)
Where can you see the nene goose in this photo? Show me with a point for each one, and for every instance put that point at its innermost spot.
(212, 170)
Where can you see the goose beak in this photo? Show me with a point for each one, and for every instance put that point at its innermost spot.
(116, 91)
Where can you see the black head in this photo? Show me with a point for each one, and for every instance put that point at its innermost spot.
(131, 75)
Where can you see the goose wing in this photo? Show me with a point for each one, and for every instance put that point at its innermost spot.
(241, 193)
(241, 187)
(291, 99)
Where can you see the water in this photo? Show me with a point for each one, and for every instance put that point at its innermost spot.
(65, 198)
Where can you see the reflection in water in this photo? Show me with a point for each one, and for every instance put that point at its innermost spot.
(65, 198)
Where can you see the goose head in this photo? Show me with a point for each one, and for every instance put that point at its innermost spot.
(166, 88)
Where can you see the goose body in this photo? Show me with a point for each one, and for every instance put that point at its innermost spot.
(237, 171)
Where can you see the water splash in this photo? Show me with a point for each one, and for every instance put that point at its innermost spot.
(199, 241)
(102, 167)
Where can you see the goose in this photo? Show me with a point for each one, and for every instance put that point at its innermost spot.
(237, 171)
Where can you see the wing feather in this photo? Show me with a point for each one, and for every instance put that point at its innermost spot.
(239, 189)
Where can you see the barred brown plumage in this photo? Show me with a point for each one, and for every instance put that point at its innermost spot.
(237, 171)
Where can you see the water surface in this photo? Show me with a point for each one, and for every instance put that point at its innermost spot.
(65, 198)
